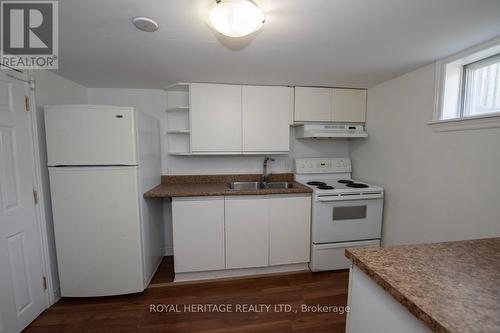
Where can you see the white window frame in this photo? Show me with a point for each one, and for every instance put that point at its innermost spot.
(449, 90)
(467, 74)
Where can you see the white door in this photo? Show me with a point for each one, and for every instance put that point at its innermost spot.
(349, 105)
(313, 104)
(247, 232)
(198, 229)
(266, 118)
(289, 230)
(97, 230)
(215, 115)
(90, 135)
(22, 297)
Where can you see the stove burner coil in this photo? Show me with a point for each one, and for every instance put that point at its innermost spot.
(346, 181)
(316, 183)
(357, 185)
(325, 187)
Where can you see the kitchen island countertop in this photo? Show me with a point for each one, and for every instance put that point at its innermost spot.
(451, 286)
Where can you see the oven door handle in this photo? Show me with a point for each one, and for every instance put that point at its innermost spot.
(340, 197)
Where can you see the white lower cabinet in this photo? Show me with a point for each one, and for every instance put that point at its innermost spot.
(198, 232)
(240, 232)
(267, 231)
(289, 230)
(247, 232)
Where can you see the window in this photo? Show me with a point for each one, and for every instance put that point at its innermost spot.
(481, 94)
(468, 89)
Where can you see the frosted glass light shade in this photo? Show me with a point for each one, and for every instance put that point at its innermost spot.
(236, 18)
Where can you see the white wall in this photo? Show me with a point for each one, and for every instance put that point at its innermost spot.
(154, 102)
(151, 101)
(52, 89)
(439, 185)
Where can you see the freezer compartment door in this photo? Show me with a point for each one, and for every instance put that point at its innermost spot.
(90, 135)
(97, 230)
(328, 257)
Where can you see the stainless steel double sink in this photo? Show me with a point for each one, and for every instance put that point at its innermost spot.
(239, 186)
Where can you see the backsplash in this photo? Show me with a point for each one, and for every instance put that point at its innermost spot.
(199, 165)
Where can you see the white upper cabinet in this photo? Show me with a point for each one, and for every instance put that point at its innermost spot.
(265, 118)
(215, 111)
(313, 104)
(235, 119)
(349, 105)
(330, 105)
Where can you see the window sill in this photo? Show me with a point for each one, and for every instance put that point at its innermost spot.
(469, 123)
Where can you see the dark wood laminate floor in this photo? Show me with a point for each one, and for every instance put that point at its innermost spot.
(165, 272)
(131, 313)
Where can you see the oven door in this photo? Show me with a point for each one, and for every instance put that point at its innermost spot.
(346, 220)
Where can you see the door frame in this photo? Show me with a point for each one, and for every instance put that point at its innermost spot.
(40, 212)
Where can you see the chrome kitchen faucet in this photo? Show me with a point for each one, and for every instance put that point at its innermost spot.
(265, 175)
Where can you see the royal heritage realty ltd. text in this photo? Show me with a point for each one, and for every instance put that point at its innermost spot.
(248, 308)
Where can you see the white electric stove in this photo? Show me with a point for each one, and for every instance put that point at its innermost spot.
(345, 212)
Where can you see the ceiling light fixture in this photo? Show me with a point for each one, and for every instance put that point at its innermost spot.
(145, 24)
(236, 18)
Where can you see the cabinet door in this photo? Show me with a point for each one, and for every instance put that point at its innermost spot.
(313, 104)
(349, 105)
(198, 232)
(247, 232)
(289, 229)
(266, 113)
(215, 111)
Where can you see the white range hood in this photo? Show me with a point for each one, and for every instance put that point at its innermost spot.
(328, 131)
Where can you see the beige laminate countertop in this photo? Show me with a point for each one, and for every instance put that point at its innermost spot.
(218, 185)
(451, 286)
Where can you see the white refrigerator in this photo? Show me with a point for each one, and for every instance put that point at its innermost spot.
(101, 159)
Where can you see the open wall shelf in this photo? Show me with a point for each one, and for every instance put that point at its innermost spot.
(178, 127)
(178, 131)
(178, 109)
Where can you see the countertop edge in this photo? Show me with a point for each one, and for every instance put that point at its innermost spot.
(413, 308)
(158, 192)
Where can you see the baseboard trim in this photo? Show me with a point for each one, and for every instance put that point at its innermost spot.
(169, 250)
(240, 273)
(57, 295)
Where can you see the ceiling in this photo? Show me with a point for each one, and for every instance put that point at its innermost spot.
(350, 43)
